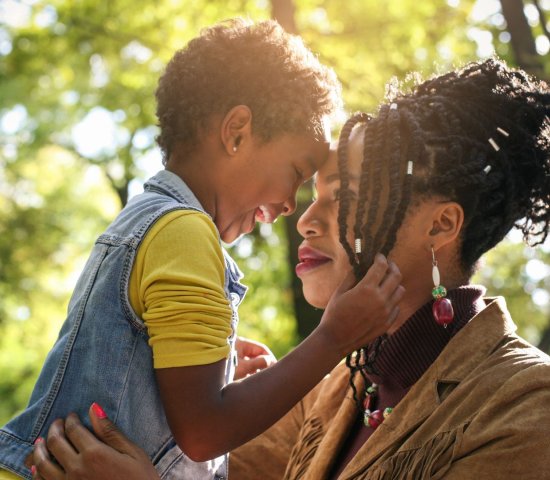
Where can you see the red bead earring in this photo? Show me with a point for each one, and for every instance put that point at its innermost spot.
(442, 308)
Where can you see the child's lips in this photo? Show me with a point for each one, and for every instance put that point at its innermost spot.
(264, 215)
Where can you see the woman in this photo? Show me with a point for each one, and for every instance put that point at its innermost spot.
(436, 179)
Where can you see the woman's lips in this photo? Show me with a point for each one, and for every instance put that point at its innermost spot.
(309, 260)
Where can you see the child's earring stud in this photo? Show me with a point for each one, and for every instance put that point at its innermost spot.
(235, 148)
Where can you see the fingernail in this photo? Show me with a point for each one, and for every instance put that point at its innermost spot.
(98, 411)
(33, 469)
(38, 440)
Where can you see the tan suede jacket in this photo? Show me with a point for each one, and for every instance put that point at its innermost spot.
(481, 411)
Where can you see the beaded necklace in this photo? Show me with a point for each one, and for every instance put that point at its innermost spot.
(373, 419)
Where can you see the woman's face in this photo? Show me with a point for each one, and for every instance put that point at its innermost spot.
(323, 261)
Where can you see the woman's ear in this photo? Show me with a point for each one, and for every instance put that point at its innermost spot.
(447, 222)
(236, 128)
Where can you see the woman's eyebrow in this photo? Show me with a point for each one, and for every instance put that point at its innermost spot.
(335, 177)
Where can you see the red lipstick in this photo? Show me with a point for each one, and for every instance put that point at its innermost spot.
(309, 260)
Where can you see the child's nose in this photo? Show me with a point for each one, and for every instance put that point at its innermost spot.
(289, 207)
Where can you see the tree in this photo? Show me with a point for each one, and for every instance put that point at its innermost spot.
(77, 128)
(522, 39)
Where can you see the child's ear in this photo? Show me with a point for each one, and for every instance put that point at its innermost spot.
(236, 128)
(446, 224)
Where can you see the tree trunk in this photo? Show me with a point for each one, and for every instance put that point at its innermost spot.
(544, 342)
(523, 42)
(283, 12)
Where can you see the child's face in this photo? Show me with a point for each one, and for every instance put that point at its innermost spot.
(263, 183)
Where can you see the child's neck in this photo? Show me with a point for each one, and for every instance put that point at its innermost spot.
(196, 171)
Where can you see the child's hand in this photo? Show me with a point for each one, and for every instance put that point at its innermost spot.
(252, 357)
(356, 315)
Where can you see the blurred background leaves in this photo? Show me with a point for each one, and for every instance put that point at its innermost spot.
(77, 129)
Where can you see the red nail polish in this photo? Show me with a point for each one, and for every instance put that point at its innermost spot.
(33, 469)
(38, 440)
(98, 411)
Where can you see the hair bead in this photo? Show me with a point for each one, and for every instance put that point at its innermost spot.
(503, 132)
(494, 145)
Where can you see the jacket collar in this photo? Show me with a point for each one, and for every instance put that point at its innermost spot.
(465, 351)
(170, 184)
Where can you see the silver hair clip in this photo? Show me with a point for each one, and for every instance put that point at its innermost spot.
(503, 132)
(494, 145)
(357, 245)
(487, 169)
(410, 167)
(393, 106)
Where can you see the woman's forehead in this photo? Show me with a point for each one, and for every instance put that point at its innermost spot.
(330, 167)
(329, 172)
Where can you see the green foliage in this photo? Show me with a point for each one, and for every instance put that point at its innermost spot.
(47, 225)
(77, 82)
(522, 275)
(368, 42)
(266, 313)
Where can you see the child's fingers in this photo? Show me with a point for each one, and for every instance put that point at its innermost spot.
(391, 281)
(43, 467)
(392, 316)
(251, 348)
(378, 270)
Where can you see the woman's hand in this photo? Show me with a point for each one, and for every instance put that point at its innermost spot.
(80, 455)
(252, 357)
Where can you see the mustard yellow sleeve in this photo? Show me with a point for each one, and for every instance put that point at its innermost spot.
(5, 475)
(177, 287)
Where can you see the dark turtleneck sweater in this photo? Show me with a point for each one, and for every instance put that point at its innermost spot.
(404, 358)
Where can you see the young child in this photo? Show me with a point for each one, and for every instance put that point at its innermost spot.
(151, 325)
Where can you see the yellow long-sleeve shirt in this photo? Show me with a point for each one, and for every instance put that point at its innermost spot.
(177, 287)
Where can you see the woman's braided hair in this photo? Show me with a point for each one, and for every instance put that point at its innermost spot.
(479, 136)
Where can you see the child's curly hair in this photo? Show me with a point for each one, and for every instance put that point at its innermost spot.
(241, 63)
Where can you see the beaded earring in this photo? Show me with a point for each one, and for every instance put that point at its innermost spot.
(442, 308)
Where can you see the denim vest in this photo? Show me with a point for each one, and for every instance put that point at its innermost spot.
(102, 353)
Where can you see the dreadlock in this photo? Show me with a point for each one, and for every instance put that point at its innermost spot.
(479, 136)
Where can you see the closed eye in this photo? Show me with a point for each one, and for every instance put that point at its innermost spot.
(299, 175)
(338, 195)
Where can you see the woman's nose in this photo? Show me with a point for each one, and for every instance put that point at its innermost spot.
(308, 224)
